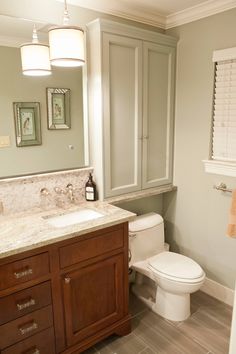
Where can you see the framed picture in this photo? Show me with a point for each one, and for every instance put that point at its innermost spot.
(27, 123)
(58, 105)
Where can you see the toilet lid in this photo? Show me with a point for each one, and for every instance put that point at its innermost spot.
(145, 221)
(176, 265)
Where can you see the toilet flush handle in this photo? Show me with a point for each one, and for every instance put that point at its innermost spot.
(132, 235)
(130, 256)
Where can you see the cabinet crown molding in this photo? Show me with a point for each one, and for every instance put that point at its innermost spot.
(131, 31)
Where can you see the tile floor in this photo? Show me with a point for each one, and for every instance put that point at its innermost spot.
(207, 331)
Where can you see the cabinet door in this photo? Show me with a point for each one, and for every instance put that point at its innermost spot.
(158, 106)
(122, 92)
(93, 298)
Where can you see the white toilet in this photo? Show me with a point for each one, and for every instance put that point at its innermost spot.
(164, 280)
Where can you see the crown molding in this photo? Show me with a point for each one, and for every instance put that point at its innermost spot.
(207, 8)
(155, 20)
(121, 10)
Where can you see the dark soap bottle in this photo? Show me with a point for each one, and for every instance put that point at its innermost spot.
(90, 189)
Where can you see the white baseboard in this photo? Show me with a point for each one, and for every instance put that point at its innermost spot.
(218, 291)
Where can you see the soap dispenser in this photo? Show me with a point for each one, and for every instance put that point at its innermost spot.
(90, 189)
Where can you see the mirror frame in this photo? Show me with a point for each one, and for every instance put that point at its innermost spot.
(85, 113)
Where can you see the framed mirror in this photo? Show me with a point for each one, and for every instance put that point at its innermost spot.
(64, 133)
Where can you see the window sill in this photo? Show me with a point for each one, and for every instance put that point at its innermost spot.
(220, 167)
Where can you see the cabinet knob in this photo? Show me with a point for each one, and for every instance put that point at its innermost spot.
(67, 280)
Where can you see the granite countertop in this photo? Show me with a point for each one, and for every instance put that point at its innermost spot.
(30, 230)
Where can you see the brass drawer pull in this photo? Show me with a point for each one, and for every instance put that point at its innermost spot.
(23, 273)
(26, 304)
(36, 351)
(24, 330)
(33, 350)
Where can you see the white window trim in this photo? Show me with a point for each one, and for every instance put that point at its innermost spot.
(220, 167)
(224, 168)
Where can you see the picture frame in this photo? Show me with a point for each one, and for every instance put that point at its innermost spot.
(27, 123)
(58, 108)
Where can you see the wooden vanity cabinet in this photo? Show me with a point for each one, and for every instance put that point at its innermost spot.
(26, 311)
(94, 283)
(65, 297)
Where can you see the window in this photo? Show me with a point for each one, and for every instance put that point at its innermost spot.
(223, 147)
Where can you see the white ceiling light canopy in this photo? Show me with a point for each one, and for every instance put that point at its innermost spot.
(35, 57)
(66, 44)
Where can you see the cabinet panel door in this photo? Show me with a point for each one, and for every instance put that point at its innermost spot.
(122, 86)
(93, 298)
(158, 106)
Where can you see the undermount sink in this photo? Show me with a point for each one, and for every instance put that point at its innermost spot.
(73, 218)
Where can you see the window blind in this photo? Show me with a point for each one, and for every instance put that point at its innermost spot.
(224, 110)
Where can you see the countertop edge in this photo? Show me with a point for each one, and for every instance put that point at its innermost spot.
(64, 237)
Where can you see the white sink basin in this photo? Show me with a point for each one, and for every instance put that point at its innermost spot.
(73, 218)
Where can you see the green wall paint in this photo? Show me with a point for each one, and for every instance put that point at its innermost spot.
(197, 215)
(144, 205)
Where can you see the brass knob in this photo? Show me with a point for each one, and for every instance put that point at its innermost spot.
(67, 280)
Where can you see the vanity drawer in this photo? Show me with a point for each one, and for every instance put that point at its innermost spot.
(24, 327)
(24, 302)
(41, 343)
(91, 247)
(26, 269)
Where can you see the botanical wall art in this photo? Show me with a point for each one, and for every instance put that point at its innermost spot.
(58, 106)
(27, 123)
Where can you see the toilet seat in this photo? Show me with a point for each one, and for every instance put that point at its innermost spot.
(176, 267)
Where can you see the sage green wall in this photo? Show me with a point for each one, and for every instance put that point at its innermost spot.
(54, 153)
(197, 215)
(144, 205)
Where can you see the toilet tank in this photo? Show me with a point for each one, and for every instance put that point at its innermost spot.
(146, 237)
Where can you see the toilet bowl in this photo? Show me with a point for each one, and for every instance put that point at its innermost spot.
(164, 280)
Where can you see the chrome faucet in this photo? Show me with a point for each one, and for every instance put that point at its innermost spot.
(69, 190)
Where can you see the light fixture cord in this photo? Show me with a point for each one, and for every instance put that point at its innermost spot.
(66, 17)
(35, 36)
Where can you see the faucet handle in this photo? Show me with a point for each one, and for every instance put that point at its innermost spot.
(1, 207)
(59, 190)
(44, 192)
(69, 186)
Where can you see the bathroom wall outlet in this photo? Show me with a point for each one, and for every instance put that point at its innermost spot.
(4, 141)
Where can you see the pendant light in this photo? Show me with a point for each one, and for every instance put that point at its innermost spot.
(66, 44)
(35, 57)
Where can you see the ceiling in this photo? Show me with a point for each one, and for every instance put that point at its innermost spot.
(160, 13)
(16, 31)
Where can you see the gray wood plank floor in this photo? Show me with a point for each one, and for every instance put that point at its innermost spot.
(207, 331)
